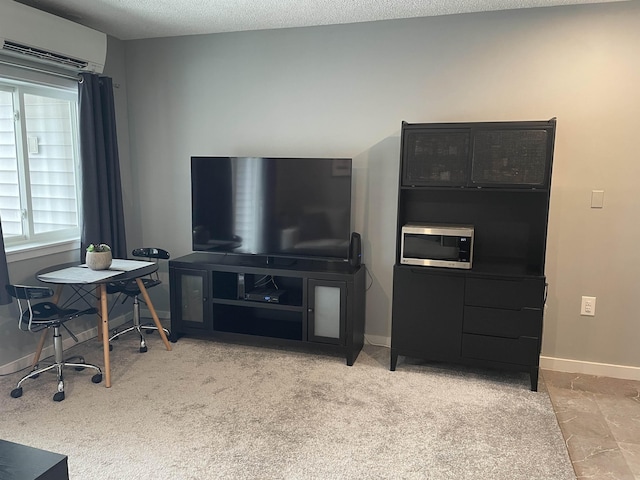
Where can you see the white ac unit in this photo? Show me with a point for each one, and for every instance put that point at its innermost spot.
(32, 36)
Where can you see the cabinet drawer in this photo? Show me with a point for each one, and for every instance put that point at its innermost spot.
(503, 323)
(519, 351)
(512, 294)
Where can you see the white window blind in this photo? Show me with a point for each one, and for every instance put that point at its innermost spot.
(10, 210)
(38, 164)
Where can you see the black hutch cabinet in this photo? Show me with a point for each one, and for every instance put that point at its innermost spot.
(496, 177)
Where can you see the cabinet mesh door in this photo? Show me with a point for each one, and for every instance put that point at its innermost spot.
(515, 157)
(436, 158)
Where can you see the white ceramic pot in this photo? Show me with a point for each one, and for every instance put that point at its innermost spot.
(98, 260)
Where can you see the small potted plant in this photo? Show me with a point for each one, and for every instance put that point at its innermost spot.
(98, 256)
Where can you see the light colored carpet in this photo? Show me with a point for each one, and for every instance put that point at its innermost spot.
(210, 410)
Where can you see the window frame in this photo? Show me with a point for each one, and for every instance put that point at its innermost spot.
(40, 83)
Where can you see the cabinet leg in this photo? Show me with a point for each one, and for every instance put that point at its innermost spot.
(352, 355)
(534, 379)
(394, 359)
(350, 359)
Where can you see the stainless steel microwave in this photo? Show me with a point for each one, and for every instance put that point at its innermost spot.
(449, 246)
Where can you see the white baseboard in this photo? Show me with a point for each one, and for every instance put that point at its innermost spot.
(146, 315)
(556, 364)
(378, 340)
(547, 363)
(590, 368)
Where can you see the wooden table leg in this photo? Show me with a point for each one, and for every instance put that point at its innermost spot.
(156, 320)
(99, 308)
(104, 312)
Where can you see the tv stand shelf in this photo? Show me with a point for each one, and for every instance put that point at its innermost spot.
(314, 303)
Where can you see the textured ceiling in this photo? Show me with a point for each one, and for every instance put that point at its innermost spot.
(135, 19)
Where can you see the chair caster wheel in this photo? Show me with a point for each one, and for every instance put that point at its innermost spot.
(143, 349)
(58, 397)
(97, 378)
(110, 347)
(16, 392)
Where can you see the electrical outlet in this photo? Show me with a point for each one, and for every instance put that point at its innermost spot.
(588, 307)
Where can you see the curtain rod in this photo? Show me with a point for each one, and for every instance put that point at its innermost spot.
(49, 72)
(41, 70)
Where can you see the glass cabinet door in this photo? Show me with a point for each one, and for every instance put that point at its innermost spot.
(326, 311)
(192, 298)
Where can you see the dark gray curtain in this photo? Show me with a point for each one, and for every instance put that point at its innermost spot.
(103, 212)
(5, 298)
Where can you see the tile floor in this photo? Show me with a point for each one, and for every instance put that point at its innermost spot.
(600, 421)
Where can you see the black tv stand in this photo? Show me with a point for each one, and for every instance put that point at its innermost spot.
(323, 306)
(281, 262)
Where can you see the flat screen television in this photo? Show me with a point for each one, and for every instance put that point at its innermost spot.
(272, 207)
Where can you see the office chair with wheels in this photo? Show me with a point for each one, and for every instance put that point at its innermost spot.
(35, 317)
(130, 290)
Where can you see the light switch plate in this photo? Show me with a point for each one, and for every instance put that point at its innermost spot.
(597, 198)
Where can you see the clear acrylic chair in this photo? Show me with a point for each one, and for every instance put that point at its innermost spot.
(130, 290)
(35, 316)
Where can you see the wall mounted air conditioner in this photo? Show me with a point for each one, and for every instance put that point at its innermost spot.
(31, 36)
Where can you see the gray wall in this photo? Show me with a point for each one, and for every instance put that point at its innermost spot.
(344, 90)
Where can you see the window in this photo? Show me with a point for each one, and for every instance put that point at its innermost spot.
(39, 167)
